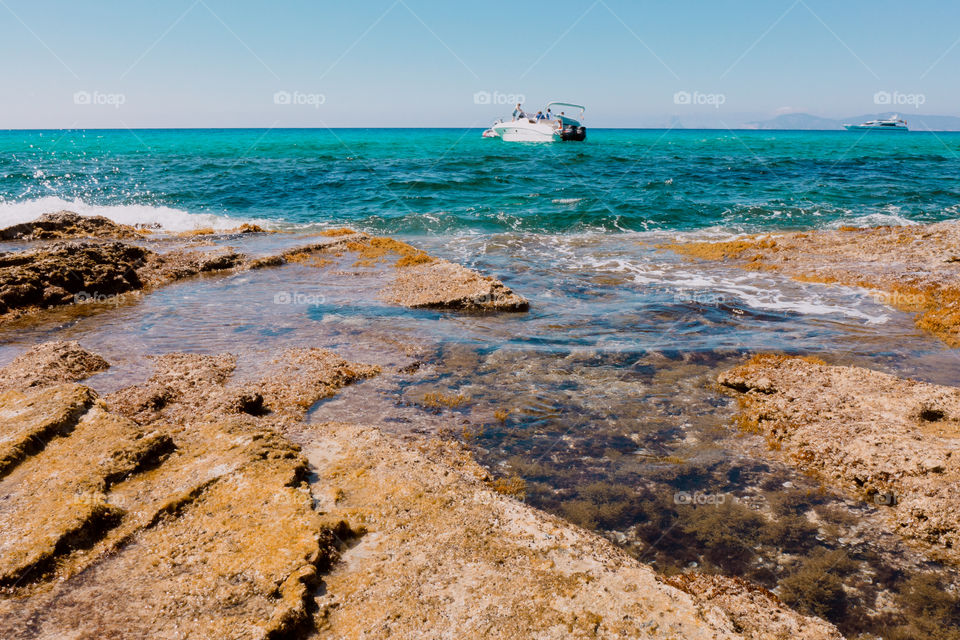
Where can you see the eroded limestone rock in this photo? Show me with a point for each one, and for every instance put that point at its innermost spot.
(884, 439)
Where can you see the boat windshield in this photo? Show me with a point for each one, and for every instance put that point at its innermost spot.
(565, 119)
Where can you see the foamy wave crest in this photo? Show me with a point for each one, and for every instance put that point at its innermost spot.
(168, 218)
(633, 258)
(890, 217)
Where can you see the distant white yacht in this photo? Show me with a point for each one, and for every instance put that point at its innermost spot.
(893, 123)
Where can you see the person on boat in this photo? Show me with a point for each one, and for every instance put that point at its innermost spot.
(548, 115)
(518, 113)
(539, 116)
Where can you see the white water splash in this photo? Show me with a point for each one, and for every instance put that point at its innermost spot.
(168, 218)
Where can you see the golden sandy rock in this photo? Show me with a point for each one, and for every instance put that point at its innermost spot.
(118, 530)
(298, 378)
(51, 363)
(200, 523)
(914, 268)
(55, 501)
(186, 387)
(29, 420)
(884, 439)
(445, 285)
(185, 381)
(445, 556)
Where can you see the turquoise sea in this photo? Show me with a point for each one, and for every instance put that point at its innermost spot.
(425, 181)
(602, 397)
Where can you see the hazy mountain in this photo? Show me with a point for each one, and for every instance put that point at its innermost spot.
(916, 122)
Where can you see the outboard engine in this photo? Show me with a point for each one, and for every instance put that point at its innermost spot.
(573, 134)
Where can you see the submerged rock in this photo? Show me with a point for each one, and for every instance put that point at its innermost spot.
(886, 440)
(756, 612)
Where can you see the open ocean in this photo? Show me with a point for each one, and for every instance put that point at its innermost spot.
(450, 182)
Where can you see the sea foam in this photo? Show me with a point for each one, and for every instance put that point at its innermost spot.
(168, 218)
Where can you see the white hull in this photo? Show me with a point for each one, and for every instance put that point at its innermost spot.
(526, 131)
(893, 123)
(865, 127)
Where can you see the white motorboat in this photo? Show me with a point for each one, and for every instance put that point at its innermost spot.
(559, 127)
(893, 123)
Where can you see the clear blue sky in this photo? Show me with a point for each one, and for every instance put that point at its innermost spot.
(420, 62)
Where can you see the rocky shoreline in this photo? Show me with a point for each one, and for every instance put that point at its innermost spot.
(199, 502)
(192, 505)
(203, 500)
(80, 269)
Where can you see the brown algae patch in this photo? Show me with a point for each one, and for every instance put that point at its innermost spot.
(336, 233)
(210, 231)
(378, 248)
(726, 250)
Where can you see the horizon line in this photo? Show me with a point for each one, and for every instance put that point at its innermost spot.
(448, 128)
